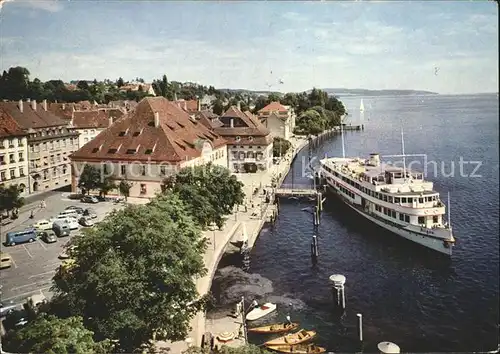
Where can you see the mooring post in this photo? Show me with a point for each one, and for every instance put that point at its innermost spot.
(338, 281)
(360, 327)
(316, 212)
(388, 348)
(314, 247)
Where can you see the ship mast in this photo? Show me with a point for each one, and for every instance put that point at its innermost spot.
(449, 214)
(403, 153)
(342, 137)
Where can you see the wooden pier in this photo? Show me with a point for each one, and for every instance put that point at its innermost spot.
(295, 192)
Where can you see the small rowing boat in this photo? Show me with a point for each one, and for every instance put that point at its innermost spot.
(275, 328)
(297, 349)
(260, 311)
(293, 338)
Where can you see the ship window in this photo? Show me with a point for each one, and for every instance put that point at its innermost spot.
(421, 220)
(397, 200)
(420, 200)
(435, 219)
(394, 214)
(401, 217)
(389, 199)
(403, 200)
(385, 197)
(407, 218)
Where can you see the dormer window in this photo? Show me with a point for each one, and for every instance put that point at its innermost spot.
(250, 138)
(148, 151)
(237, 138)
(122, 134)
(94, 150)
(112, 151)
(139, 132)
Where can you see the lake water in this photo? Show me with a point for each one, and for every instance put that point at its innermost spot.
(408, 295)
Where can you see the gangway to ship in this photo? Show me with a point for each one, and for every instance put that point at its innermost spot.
(296, 190)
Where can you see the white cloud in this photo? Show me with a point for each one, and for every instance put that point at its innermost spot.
(45, 5)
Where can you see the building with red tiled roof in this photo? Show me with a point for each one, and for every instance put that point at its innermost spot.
(50, 141)
(250, 144)
(189, 106)
(147, 88)
(13, 153)
(279, 119)
(208, 119)
(144, 147)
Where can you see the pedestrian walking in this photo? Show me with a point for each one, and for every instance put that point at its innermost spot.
(32, 215)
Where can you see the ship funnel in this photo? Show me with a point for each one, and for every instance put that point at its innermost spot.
(374, 160)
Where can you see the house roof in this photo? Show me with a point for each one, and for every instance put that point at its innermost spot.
(188, 105)
(176, 138)
(91, 119)
(32, 118)
(272, 107)
(8, 126)
(208, 119)
(237, 124)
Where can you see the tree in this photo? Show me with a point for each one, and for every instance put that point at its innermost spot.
(119, 82)
(106, 186)
(49, 334)
(124, 188)
(10, 198)
(134, 274)
(90, 179)
(310, 122)
(218, 107)
(214, 183)
(82, 85)
(280, 146)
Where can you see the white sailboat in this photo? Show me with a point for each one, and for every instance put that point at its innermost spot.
(361, 106)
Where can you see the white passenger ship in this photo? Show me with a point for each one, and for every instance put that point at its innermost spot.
(394, 198)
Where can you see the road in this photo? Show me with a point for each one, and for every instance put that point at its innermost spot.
(34, 264)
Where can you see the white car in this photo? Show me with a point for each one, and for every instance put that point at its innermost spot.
(72, 222)
(43, 225)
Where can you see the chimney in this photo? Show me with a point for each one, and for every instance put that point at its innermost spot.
(198, 105)
(232, 123)
(33, 105)
(21, 108)
(110, 121)
(185, 105)
(157, 119)
(175, 96)
(28, 100)
(64, 106)
(45, 105)
(239, 106)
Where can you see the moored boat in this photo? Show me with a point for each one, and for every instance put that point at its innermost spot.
(275, 328)
(297, 349)
(260, 311)
(293, 338)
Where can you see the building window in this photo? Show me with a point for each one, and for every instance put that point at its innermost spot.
(65, 169)
(421, 220)
(105, 169)
(54, 171)
(143, 188)
(21, 171)
(143, 170)
(123, 170)
(237, 138)
(45, 174)
(2, 175)
(12, 173)
(163, 170)
(11, 158)
(21, 158)
(11, 143)
(435, 219)
(85, 140)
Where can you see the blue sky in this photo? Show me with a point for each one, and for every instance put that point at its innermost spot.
(254, 45)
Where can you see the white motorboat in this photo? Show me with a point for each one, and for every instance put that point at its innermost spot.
(261, 311)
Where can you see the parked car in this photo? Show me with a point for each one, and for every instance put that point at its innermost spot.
(78, 209)
(48, 236)
(86, 221)
(61, 228)
(7, 307)
(5, 260)
(43, 224)
(90, 212)
(69, 213)
(16, 318)
(73, 223)
(89, 199)
(14, 237)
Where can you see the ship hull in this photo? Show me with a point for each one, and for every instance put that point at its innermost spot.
(434, 244)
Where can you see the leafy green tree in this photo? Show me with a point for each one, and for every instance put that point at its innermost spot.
(280, 146)
(10, 198)
(82, 85)
(218, 107)
(106, 186)
(124, 187)
(209, 185)
(310, 122)
(49, 334)
(134, 274)
(119, 82)
(90, 179)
